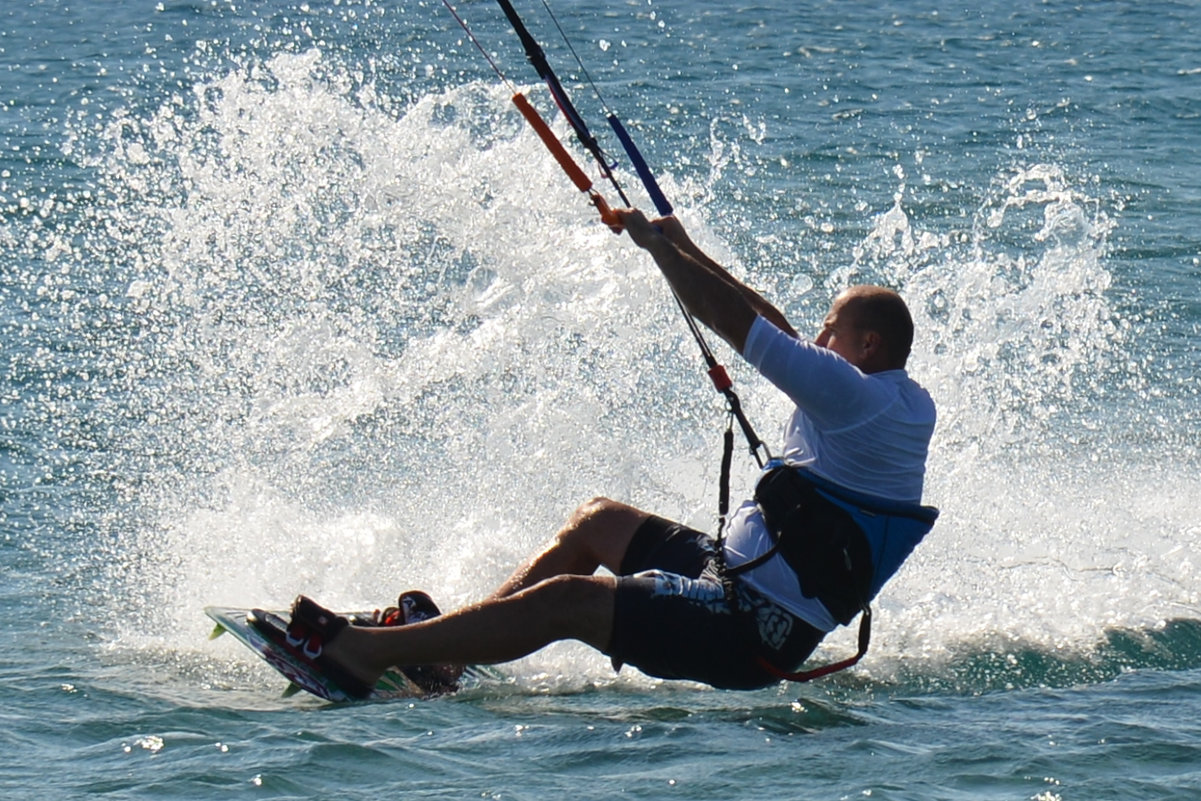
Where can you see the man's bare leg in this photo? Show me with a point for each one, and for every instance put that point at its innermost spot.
(553, 596)
(500, 629)
(596, 535)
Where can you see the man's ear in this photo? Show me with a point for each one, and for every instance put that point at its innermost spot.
(871, 344)
(873, 354)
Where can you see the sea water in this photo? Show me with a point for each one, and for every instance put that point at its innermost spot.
(293, 301)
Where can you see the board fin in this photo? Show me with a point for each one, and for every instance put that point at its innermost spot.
(291, 690)
(217, 631)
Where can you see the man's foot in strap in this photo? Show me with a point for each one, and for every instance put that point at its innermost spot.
(311, 633)
(415, 606)
(411, 607)
(336, 647)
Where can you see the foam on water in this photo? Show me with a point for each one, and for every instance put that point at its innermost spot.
(361, 349)
(372, 361)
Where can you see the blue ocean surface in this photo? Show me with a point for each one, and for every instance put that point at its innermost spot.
(292, 300)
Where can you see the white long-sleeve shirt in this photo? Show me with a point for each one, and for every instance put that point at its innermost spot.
(866, 432)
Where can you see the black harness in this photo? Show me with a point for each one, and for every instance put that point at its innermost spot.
(841, 545)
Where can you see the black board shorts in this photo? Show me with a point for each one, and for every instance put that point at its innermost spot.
(673, 620)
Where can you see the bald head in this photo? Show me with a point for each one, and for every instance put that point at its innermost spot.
(877, 330)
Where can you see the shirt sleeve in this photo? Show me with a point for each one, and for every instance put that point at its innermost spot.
(830, 390)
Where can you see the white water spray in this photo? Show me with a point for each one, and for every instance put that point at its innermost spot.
(383, 350)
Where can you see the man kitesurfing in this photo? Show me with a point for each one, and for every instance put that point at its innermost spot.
(743, 611)
(829, 523)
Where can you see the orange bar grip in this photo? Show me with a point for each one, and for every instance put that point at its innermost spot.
(577, 176)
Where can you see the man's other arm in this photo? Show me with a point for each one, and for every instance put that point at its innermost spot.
(707, 290)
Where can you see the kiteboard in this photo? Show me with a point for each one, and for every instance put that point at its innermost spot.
(253, 628)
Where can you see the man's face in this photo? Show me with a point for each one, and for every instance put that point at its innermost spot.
(842, 334)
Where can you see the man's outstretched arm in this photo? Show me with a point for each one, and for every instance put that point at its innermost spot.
(707, 290)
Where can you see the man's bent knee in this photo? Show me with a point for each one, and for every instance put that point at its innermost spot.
(603, 528)
(605, 513)
(594, 508)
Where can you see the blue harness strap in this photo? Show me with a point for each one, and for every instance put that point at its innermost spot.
(893, 528)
